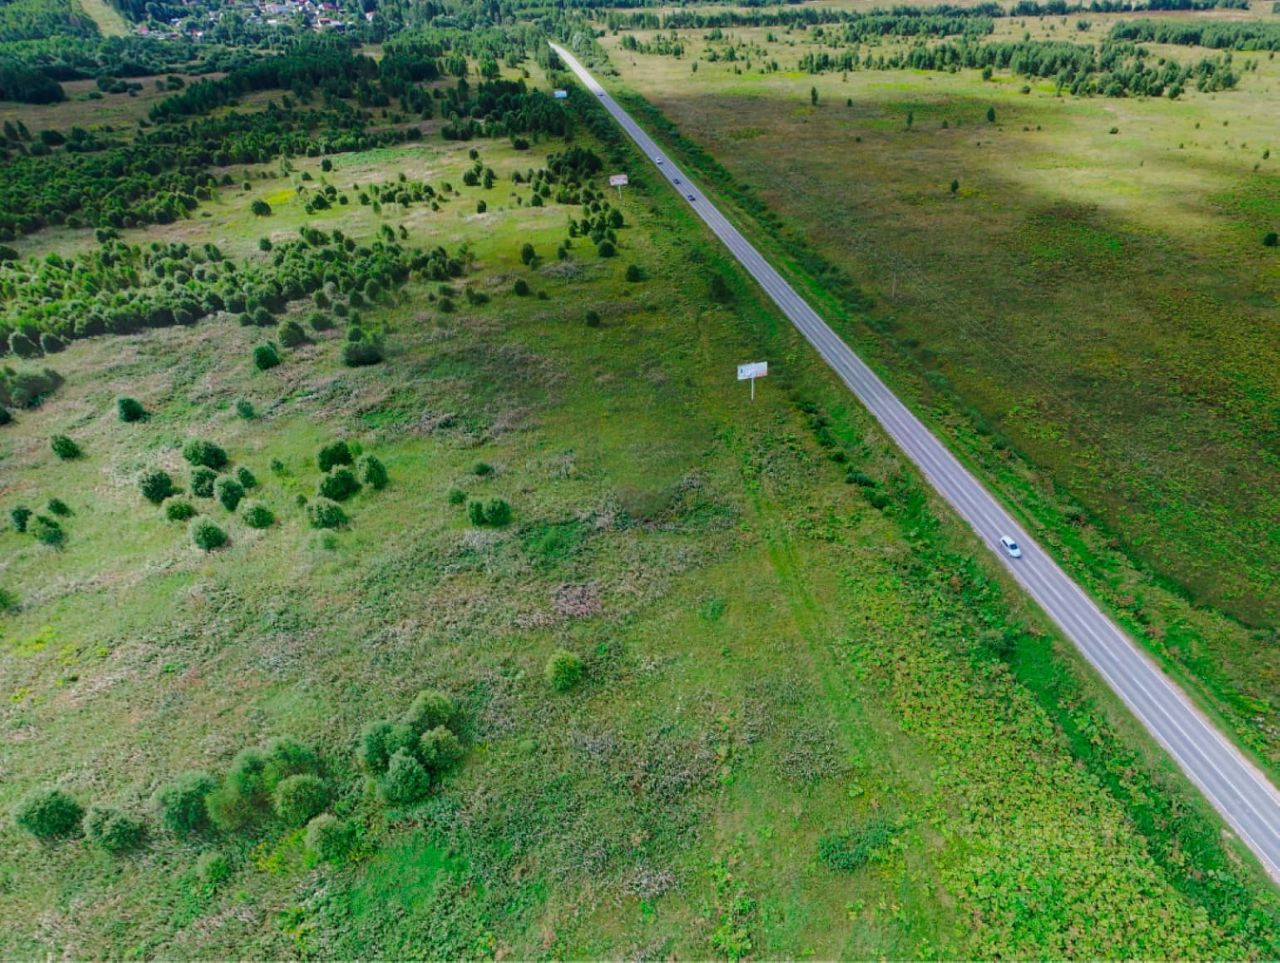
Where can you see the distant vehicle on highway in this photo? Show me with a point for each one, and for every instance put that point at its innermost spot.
(658, 160)
(691, 197)
(1010, 546)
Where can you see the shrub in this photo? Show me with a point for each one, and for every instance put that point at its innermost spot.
(156, 486)
(456, 496)
(206, 535)
(5, 416)
(634, 273)
(179, 510)
(47, 531)
(181, 803)
(112, 831)
(373, 472)
(1271, 239)
(246, 794)
(481, 207)
(64, 447)
(265, 356)
(202, 480)
(338, 453)
(298, 799)
(405, 780)
(329, 837)
(48, 813)
(564, 670)
(439, 750)
(497, 512)
(360, 354)
(527, 253)
(206, 453)
(606, 249)
(475, 512)
(130, 409)
(246, 478)
(339, 485)
(258, 515)
(20, 515)
(260, 208)
(213, 868)
(482, 469)
(593, 319)
(230, 492)
(292, 335)
(521, 287)
(847, 852)
(430, 708)
(58, 507)
(51, 343)
(323, 513)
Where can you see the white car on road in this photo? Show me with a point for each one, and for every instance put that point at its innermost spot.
(1010, 546)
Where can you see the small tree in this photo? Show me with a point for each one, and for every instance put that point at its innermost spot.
(246, 478)
(405, 781)
(265, 356)
(564, 670)
(813, 96)
(337, 453)
(634, 273)
(430, 708)
(48, 532)
(64, 447)
(606, 249)
(527, 253)
(206, 535)
(991, 115)
(593, 319)
(258, 515)
(20, 515)
(323, 513)
(955, 186)
(439, 750)
(260, 208)
(329, 837)
(292, 335)
(202, 480)
(181, 803)
(297, 799)
(372, 472)
(206, 453)
(130, 409)
(1271, 239)
(339, 485)
(230, 492)
(48, 813)
(113, 831)
(57, 506)
(157, 486)
(361, 354)
(179, 510)
(521, 287)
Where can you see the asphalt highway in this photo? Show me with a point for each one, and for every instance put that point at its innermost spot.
(1234, 786)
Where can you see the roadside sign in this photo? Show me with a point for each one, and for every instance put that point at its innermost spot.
(561, 94)
(618, 180)
(751, 371)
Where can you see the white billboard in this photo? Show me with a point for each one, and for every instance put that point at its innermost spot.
(617, 180)
(756, 369)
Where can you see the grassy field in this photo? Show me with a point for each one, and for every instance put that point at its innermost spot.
(1085, 314)
(813, 721)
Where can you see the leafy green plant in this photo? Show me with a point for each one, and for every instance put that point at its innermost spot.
(230, 492)
(292, 335)
(323, 513)
(381, 739)
(456, 496)
(179, 510)
(334, 454)
(47, 531)
(48, 813)
(329, 837)
(130, 410)
(245, 409)
(339, 485)
(181, 803)
(65, 448)
(564, 670)
(406, 780)
(205, 453)
(439, 749)
(246, 478)
(430, 708)
(360, 354)
(57, 506)
(113, 831)
(258, 515)
(372, 472)
(297, 799)
(213, 868)
(19, 515)
(847, 852)
(206, 535)
(265, 356)
(202, 481)
(156, 486)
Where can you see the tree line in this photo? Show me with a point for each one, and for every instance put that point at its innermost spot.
(1252, 35)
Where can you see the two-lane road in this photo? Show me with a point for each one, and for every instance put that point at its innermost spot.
(1244, 797)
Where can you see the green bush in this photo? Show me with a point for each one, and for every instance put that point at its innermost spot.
(297, 799)
(58, 507)
(113, 831)
(181, 803)
(202, 481)
(439, 750)
(179, 510)
(847, 852)
(19, 516)
(381, 739)
(330, 456)
(405, 780)
(323, 513)
(265, 356)
(213, 868)
(564, 670)
(456, 496)
(339, 485)
(360, 354)
(206, 535)
(246, 795)
(497, 512)
(329, 837)
(521, 287)
(64, 447)
(230, 492)
(258, 515)
(5, 416)
(292, 335)
(1271, 239)
(156, 486)
(430, 708)
(634, 273)
(246, 478)
(48, 813)
(244, 409)
(47, 531)
(130, 409)
(372, 472)
(475, 512)
(606, 249)
(205, 453)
